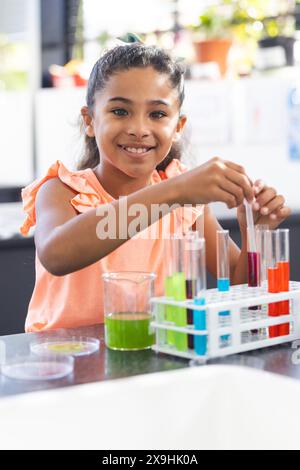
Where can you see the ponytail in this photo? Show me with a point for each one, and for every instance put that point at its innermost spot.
(91, 157)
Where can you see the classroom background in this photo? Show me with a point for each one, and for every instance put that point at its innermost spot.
(242, 100)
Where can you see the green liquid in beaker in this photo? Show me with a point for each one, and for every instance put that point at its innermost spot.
(128, 331)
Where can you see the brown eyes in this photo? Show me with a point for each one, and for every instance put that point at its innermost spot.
(120, 112)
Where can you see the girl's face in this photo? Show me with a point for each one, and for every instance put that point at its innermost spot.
(135, 120)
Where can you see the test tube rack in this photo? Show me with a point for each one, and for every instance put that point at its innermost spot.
(240, 323)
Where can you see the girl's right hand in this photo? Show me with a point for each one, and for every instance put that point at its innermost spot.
(215, 180)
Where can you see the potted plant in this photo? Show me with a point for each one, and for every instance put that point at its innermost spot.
(279, 31)
(228, 20)
(213, 36)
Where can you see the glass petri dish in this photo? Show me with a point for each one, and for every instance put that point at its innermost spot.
(74, 346)
(38, 368)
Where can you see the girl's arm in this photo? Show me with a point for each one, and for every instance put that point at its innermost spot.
(67, 242)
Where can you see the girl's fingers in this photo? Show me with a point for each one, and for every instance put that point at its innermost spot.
(226, 197)
(233, 189)
(235, 167)
(243, 182)
(273, 205)
(264, 198)
(283, 213)
(239, 168)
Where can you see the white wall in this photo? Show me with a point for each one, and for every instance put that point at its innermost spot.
(246, 122)
(16, 147)
(57, 129)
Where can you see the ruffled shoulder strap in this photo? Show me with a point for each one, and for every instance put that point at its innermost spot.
(83, 182)
(174, 168)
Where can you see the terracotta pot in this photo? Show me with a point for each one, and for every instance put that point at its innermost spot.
(214, 50)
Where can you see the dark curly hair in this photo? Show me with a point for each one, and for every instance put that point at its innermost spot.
(123, 58)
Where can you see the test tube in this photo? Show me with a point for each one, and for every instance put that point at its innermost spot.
(253, 257)
(190, 279)
(261, 231)
(250, 227)
(170, 260)
(223, 260)
(223, 276)
(176, 289)
(198, 265)
(283, 263)
(273, 278)
(262, 248)
(253, 261)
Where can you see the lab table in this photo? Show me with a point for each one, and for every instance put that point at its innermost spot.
(108, 364)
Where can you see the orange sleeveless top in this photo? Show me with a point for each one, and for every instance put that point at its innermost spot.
(76, 299)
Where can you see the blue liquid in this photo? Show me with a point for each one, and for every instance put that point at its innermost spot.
(200, 342)
(224, 286)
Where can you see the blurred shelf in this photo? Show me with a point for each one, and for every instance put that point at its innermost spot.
(11, 218)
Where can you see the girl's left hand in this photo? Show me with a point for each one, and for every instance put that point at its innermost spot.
(268, 207)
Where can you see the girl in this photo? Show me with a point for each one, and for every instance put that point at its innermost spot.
(132, 127)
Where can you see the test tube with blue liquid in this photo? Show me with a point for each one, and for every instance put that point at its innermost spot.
(198, 267)
(223, 276)
(189, 278)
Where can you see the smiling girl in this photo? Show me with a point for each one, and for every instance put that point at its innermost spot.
(133, 125)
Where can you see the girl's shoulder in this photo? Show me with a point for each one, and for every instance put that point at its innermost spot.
(53, 186)
(81, 189)
(53, 193)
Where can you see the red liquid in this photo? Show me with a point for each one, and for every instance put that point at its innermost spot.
(253, 269)
(273, 309)
(253, 275)
(284, 307)
(190, 293)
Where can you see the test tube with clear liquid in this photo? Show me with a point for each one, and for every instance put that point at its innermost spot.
(283, 264)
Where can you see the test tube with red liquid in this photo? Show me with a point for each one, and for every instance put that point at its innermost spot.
(283, 264)
(253, 265)
(253, 255)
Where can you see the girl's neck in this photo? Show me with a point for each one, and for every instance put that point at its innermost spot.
(116, 183)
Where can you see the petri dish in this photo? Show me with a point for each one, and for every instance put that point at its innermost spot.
(38, 368)
(75, 346)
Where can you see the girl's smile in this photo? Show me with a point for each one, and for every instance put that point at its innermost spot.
(137, 151)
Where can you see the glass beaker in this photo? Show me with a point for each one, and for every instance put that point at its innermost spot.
(127, 310)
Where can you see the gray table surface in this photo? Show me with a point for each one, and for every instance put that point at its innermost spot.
(107, 364)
